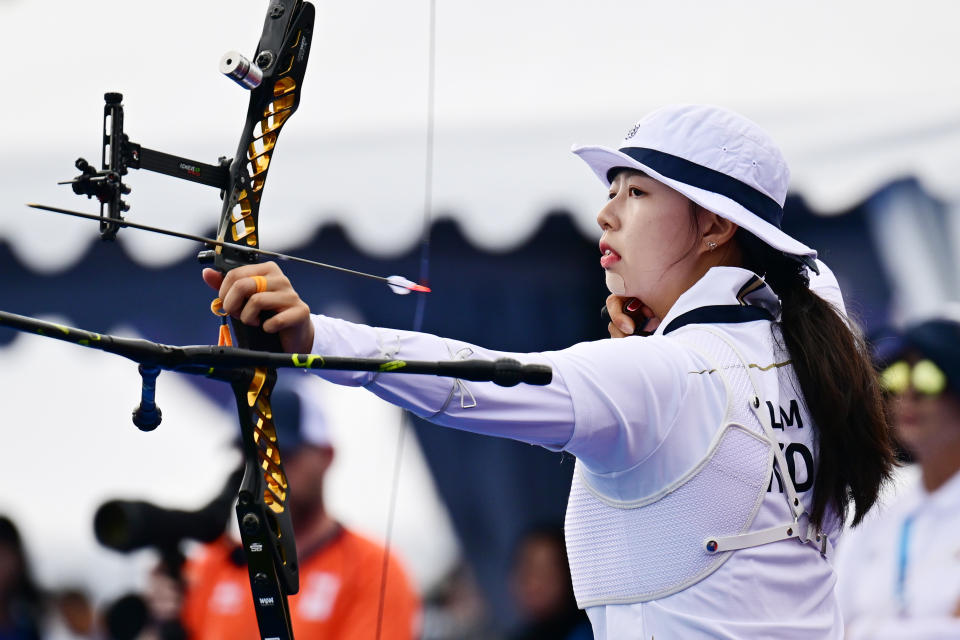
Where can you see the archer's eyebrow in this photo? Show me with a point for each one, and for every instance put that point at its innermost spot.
(616, 172)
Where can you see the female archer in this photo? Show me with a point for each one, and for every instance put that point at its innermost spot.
(718, 455)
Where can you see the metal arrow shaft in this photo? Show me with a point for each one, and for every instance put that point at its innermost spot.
(220, 243)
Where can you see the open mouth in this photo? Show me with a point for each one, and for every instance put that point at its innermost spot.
(609, 257)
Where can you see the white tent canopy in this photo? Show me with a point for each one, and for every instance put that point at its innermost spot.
(857, 93)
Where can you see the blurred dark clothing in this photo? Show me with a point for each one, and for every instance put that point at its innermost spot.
(542, 591)
(572, 625)
(21, 602)
(22, 628)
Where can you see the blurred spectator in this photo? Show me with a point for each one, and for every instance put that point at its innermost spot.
(341, 586)
(899, 573)
(73, 617)
(455, 609)
(540, 582)
(20, 599)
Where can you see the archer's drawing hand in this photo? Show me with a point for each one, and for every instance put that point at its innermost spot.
(238, 290)
(627, 315)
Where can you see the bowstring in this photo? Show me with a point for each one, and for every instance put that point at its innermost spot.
(421, 299)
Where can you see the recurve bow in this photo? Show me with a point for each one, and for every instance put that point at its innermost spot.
(274, 77)
(275, 80)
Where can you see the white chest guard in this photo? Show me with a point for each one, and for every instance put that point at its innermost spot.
(628, 552)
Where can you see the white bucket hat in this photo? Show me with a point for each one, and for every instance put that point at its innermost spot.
(717, 158)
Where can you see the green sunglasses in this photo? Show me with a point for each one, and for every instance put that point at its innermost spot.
(925, 377)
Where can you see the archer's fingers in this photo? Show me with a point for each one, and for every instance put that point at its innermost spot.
(269, 301)
(213, 278)
(251, 291)
(246, 273)
(238, 292)
(294, 327)
(289, 318)
(615, 332)
(619, 320)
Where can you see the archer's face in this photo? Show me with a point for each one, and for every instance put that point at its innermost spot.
(647, 242)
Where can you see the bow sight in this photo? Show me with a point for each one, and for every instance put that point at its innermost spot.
(120, 154)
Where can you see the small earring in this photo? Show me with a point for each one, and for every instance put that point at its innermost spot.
(711, 245)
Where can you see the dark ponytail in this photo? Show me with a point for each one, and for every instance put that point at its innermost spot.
(838, 383)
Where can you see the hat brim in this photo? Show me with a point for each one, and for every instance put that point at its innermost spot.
(602, 159)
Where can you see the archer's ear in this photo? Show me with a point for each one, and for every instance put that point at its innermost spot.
(714, 230)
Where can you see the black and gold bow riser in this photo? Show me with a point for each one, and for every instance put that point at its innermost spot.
(274, 76)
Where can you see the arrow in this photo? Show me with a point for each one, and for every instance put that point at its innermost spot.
(397, 284)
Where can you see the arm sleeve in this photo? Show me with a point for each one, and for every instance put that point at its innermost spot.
(610, 403)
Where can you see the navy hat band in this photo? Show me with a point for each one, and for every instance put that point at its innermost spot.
(695, 175)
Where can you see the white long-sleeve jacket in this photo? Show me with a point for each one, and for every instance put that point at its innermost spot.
(638, 414)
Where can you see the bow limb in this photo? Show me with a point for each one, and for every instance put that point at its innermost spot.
(262, 511)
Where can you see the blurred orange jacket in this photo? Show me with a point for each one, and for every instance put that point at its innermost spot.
(339, 595)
